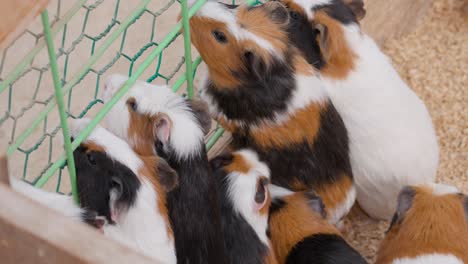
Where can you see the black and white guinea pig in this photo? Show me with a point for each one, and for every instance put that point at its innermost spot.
(300, 233)
(430, 226)
(156, 121)
(242, 181)
(120, 193)
(392, 138)
(260, 88)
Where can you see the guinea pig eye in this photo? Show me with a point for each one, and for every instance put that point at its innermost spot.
(220, 36)
(91, 158)
(132, 104)
(294, 15)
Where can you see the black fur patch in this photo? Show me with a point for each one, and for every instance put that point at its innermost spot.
(324, 162)
(96, 178)
(304, 36)
(339, 11)
(324, 249)
(465, 206)
(242, 245)
(257, 99)
(194, 209)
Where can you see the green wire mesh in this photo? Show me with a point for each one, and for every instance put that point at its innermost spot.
(89, 44)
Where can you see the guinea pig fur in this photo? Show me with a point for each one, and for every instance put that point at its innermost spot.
(392, 138)
(261, 90)
(300, 233)
(430, 226)
(128, 190)
(155, 120)
(119, 193)
(242, 181)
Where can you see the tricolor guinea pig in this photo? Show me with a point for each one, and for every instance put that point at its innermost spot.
(262, 90)
(430, 226)
(300, 233)
(120, 193)
(156, 121)
(392, 138)
(245, 201)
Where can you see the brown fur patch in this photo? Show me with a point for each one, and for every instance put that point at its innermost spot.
(294, 222)
(433, 224)
(333, 195)
(148, 171)
(228, 125)
(257, 21)
(339, 58)
(301, 126)
(238, 164)
(141, 133)
(290, 4)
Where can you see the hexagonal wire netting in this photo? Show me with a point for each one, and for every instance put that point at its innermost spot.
(91, 39)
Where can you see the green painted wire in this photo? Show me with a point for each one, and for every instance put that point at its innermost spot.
(106, 108)
(187, 48)
(60, 103)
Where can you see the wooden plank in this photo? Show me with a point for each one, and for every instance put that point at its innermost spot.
(15, 16)
(32, 233)
(393, 19)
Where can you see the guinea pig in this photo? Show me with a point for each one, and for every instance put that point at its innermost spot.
(430, 226)
(392, 138)
(156, 121)
(262, 90)
(120, 193)
(242, 181)
(300, 233)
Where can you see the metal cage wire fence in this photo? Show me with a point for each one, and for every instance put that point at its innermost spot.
(64, 84)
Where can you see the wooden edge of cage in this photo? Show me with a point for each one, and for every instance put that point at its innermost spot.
(33, 233)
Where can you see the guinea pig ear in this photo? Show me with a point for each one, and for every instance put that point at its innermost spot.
(168, 177)
(201, 111)
(162, 128)
(357, 6)
(221, 161)
(316, 203)
(323, 40)
(405, 201)
(277, 12)
(465, 206)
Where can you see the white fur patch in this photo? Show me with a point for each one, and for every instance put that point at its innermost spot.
(335, 215)
(443, 189)
(308, 5)
(186, 134)
(392, 139)
(430, 259)
(242, 190)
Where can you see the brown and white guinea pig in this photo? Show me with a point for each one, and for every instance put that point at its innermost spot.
(242, 181)
(261, 90)
(119, 193)
(392, 138)
(430, 226)
(300, 233)
(156, 121)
